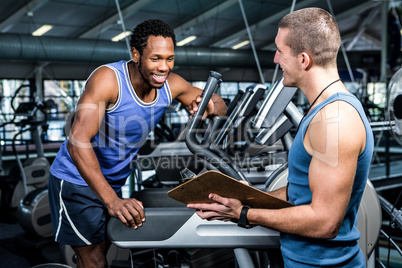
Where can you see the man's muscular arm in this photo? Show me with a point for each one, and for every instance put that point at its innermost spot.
(101, 90)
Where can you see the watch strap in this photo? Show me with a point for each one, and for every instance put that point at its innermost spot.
(243, 222)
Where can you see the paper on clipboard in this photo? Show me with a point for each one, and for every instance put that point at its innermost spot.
(197, 190)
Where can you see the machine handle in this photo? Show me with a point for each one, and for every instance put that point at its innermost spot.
(193, 144)
(213, 81)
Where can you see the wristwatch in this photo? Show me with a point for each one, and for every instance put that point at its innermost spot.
(243, 222)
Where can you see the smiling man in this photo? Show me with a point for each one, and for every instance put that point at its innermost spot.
(122, 102)
(329, 159)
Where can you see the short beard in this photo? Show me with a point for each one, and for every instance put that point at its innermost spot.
(146, 80)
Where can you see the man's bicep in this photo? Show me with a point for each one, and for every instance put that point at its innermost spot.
(182, 90)
(89, 113)
(331, 175)
(331, 188)
(333, 166)
(88, 117)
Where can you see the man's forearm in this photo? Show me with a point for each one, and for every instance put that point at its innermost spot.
(281, 193)
(88, 166)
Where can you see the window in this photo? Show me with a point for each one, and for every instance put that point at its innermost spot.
(377, 100)
(12, 94)
(60, 96)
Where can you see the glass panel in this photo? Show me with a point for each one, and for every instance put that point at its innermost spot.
(60, 96)
(377, 100)
(12, 94)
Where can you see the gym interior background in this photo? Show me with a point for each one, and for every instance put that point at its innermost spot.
(47, 71)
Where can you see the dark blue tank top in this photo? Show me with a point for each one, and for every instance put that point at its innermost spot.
(344, 247)
(124, 129)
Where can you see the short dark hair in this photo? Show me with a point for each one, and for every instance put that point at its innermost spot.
(315, 31)
(155, 27)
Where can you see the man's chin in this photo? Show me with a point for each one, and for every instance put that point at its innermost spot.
(286, 83)
(159, 86)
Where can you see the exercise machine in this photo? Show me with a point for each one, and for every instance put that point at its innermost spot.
(33, 173)
(171, 225)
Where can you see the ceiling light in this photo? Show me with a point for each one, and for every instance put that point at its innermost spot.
(186, 40)
(239, 45)
(121, 36)
(42, 30)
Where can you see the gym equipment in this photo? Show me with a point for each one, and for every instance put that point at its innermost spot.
(171, 225)
(33, 173)
(115, 256)
(183, 230)
(51, 265)
(33, 213)
(394, 107)
(394, 123)
(165, 153)
(167, 159)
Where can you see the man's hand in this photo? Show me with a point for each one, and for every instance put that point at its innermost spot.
(129, 211)
(224, 209)
(193, 107)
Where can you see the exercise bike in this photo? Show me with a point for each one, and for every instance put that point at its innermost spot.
(170, 225)
(33, 173)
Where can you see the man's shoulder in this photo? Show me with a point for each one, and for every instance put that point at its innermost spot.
(174, 79)
(103, 84)
(338, 110)
(104, 74)
(177, 84)
(338, 122)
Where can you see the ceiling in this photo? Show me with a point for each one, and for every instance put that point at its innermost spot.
(82, 30)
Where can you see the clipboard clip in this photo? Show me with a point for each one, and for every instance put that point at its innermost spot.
(186, 175)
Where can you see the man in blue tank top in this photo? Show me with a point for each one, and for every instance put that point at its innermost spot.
(122, 102)
(328, 160)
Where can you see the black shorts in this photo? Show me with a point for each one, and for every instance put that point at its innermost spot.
(79, 218)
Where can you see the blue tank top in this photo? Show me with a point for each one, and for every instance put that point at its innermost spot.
(124, 129)
(344, 247)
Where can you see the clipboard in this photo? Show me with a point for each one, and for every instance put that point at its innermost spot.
(198, 188)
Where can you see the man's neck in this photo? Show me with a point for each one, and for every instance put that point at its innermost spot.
(316, 82)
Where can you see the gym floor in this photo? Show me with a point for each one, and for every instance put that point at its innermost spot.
(13, 252)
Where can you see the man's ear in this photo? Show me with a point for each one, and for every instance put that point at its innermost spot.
(305, 60)
(135, 55)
